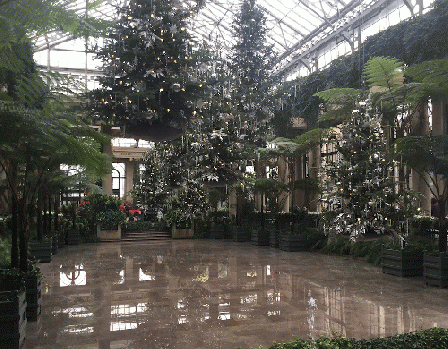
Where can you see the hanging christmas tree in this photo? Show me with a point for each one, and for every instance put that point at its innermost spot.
(251, 64)
(148, 74)
(215, 130)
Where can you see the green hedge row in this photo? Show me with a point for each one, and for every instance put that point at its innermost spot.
(434, 338)
(368, 250)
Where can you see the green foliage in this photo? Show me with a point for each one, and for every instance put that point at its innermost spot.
(384, 72)
(269, 185)
(188, 203)
(414, 41)
(424, 153)
(367, 250)
(99, 208)
(111, 219)
(421, 224)
(434, 338)
(202, 228)
(251, 64)
(5, 253)
(434, 76)
(339, 104)
(24, 21)
(311, 138)
(310, 185)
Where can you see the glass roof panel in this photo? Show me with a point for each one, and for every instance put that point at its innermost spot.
(294, 26)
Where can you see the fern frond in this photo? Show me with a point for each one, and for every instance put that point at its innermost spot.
(432, 74)
(384, 72)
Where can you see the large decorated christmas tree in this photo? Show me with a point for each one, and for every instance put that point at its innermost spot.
(359, 189)
(148, 78)
(252, 59)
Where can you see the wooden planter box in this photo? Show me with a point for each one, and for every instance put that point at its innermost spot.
(182, 233)
(274, 238)
(260, 237)
(33, 287)
(241, 234)
(41, 251)
(402, 263)
(108, 234)
(12, 318)
(293, 243)
(435, 270)
(217, 232)
(73, 237)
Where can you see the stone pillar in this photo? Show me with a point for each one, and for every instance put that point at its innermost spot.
(260, 172)
(283, 176)
(420, 126)
(129, 179)
(300, 196)
(438, 118)
(233, 204)
(314, 164)
(107, 179)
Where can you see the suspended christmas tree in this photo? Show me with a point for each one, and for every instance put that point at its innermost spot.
(251, 63)
(147, 65)
(215, 132)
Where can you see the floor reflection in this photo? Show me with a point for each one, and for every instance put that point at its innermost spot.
(219, 294)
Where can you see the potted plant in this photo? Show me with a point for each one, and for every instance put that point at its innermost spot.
(403, 256)
(294, 238)
(241, 233)
(402, 262)
(30, 281)
(40, 249)
(260, 230)
(72, 233)
(33, 287)
(181, 225)
(435, 269)
(183, 207)
(12, 310)
(109, 225)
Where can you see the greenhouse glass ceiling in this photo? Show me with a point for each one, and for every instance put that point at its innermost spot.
(295, 27)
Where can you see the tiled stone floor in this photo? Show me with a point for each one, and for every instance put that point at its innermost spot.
(219, 294)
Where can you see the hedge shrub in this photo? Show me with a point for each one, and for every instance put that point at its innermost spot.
(434, 338)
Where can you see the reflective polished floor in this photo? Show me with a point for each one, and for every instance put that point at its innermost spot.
(220, 294)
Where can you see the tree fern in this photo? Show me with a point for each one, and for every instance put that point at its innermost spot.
(434, 76)
(384, 72)
(339, 104)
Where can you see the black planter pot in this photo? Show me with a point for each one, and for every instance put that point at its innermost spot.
(435, 270)
(274, 238)
(402, 262)
(293, 243)
(217, 232)
(241, 234)
(41, 251)
(12, 318)
(260, 237)
(33, 287)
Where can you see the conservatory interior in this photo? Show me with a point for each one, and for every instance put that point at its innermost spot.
(223, 174)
